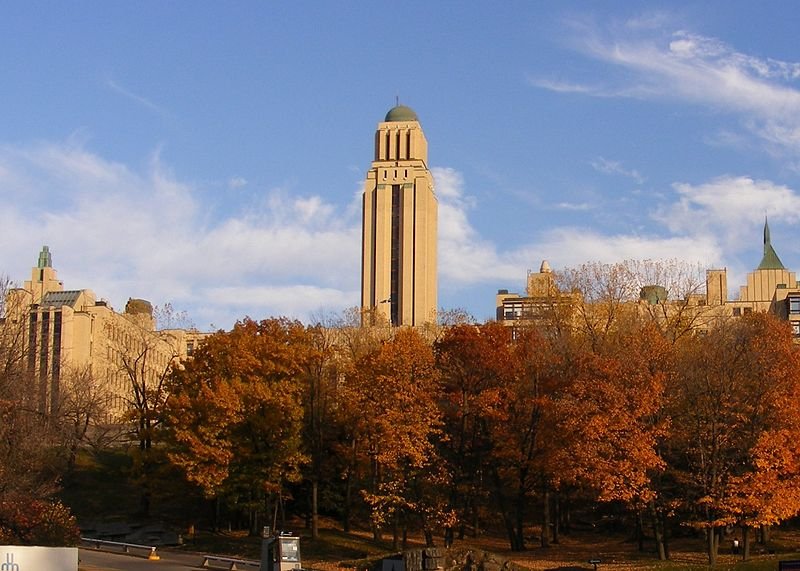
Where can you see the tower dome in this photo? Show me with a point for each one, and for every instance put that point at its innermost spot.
(401, 113)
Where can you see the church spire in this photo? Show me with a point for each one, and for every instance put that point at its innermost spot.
(770, 261)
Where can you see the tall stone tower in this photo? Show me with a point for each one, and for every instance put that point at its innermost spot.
(399, 225)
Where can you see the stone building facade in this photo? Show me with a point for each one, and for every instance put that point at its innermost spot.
(69, 331)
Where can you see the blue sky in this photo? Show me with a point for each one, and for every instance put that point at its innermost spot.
(212, 155)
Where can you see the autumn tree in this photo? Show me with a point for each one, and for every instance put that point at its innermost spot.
(236, 414)
(391, 398)
(82, 413)
(736, 426)
(612, 425)
(141, 359)
(29, 510)
(520, 422)
(627, 320)
(609, 298)
(473, 360)
(324, 365)
(353, 342)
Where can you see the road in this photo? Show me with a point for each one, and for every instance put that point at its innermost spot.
(94, 560)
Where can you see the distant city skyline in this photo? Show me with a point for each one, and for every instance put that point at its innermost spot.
(213, 156)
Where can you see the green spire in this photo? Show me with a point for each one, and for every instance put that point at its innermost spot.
(770, 261)
(45, 259)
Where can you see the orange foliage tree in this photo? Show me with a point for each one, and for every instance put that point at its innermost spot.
(612, 422)
(390, 398)
(737, 427)
(472, 360)
(236, 415)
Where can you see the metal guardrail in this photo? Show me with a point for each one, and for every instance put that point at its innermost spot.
(126, 547)
(230, 561)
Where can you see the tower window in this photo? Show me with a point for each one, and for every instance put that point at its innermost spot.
(395, 269)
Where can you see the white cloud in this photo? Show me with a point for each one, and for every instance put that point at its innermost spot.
(299, 300)
(574, 246)
(464, 257)
(730, 207)
(146, 234)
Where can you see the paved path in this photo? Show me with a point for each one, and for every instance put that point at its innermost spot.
(96, 560)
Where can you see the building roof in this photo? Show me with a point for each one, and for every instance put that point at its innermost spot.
(401, 113)
(770, 261)
(61, 298)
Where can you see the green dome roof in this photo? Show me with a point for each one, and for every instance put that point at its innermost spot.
(401, 113)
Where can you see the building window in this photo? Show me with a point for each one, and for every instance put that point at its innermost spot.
(748, 310)
(794, 305)
(395, 275)
(796, 328)
(737, 311)
(190, 348)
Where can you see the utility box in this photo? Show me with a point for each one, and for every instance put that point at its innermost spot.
(280, 552)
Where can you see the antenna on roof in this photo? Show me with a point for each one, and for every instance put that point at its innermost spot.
(397, 100)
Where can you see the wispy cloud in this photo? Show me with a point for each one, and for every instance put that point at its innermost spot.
(237, 182)
(606, 166)
(139, 99)
(571, 87)
(682, 65)
(580, 206)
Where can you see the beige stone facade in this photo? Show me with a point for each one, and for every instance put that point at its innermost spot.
(399, 226)
(70, 331)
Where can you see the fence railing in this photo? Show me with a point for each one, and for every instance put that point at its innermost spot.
(125, 547)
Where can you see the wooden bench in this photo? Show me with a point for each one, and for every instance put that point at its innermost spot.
(231, 562)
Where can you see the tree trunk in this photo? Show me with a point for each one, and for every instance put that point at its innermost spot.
(556, 518)
(283, 511)
(639, 530)
(314, 509)
(745, 543)
(545, 539)
(348, 487)
(429, 542)
(476, 522)
(765, 529)
(712, 544)
(658, 532)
